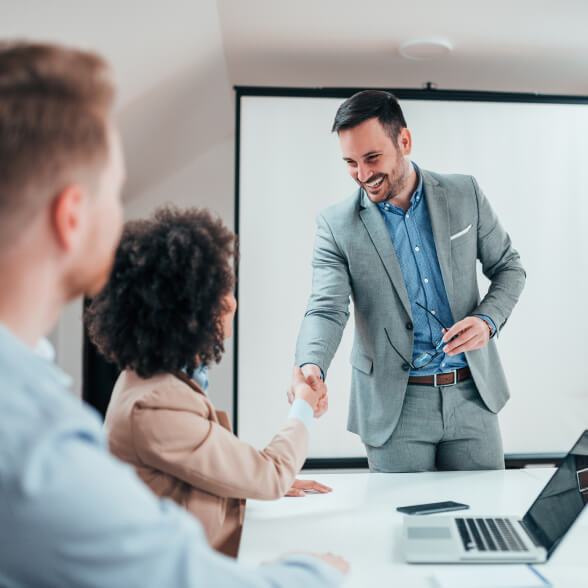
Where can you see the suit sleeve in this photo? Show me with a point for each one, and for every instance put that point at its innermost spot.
(328, 307)
(186, 445)
(500, 263)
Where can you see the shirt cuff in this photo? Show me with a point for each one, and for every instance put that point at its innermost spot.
(489, 321)
(310, 363)
(302, 411)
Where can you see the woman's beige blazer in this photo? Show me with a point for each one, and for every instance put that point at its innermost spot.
(183, 449)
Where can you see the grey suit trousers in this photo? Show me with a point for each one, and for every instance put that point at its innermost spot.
(443, 428)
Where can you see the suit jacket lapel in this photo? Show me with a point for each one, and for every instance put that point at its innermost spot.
(380, 237)
(436, 199)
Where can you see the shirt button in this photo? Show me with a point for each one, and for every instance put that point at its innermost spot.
(426, 280)
(409, 326)
(417, 248)
(432, 312)
(405, 367)
(407, 215)
(443, 364)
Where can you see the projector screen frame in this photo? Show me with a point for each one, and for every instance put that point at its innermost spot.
(512, 460)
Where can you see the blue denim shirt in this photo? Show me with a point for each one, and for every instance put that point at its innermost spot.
(72, 515)
(412, 236)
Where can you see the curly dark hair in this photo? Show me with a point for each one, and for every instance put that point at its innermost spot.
(163, 303)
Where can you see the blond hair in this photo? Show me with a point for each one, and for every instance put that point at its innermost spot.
(55, 104)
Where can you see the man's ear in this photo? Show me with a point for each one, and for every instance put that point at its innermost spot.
(66, 215)
(405, 141)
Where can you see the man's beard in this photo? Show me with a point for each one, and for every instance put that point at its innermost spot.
(393, 186)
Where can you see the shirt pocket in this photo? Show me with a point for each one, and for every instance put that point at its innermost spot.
(463, 242)
(464, 252)
(461, 235)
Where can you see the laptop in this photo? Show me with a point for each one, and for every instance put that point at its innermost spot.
(505, 539)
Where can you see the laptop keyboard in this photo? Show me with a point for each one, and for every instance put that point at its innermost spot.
(489, 535)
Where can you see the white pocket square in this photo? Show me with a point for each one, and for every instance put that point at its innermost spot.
(460, 233)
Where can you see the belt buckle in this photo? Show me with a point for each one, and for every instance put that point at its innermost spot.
(454, 372)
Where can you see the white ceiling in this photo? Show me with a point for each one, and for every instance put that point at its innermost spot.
(508, 45)
(512, 45)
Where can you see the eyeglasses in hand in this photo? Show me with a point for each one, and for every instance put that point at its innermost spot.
(424, 359)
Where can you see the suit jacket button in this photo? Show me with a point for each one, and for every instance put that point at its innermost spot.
(409, 326)
(405, 367)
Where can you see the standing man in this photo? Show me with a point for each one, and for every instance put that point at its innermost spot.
(70, 514)
(427, 381)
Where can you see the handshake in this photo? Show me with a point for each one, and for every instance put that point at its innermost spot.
(308, 385)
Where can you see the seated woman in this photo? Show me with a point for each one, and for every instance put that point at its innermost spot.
(162, 318)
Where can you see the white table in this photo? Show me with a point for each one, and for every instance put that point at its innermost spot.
(358, 521)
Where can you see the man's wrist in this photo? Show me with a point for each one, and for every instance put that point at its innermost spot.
(489, 323)
(320, 374)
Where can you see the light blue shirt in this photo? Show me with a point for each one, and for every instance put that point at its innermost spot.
(412, 236)
(72, 515)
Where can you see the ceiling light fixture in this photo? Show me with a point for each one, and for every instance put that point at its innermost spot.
(423, 49)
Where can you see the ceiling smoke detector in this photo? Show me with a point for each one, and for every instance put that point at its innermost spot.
(422, 50)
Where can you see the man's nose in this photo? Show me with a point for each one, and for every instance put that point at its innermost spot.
(363, 172)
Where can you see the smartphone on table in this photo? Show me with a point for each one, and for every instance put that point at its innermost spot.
(432, 507)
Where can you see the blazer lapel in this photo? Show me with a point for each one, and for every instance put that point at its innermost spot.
(218, 416)
(436, 199)
(380, 237)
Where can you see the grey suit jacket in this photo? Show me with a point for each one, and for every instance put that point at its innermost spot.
(354, 257)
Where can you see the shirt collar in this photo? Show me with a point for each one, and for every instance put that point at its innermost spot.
(418, 193)
(31, 363)
(200, 376)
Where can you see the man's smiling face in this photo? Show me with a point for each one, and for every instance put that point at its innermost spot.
(377, 163)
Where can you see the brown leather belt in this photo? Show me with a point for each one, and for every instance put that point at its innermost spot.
(446, 379)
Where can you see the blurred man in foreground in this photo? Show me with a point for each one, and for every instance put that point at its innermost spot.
(70, 514)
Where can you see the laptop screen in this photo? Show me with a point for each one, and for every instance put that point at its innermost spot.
(562, 499)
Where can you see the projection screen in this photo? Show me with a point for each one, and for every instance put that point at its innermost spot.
(530, 156)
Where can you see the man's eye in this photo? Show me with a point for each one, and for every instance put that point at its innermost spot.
(351, 163)
(373, 157)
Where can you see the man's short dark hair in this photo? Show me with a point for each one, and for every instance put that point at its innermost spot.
(163, 303)
(370, 104)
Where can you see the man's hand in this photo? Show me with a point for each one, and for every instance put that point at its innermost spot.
(302, 487)
(470, 333)
(312, 372)
(312, 375)
(310, 389)
(322, 407)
